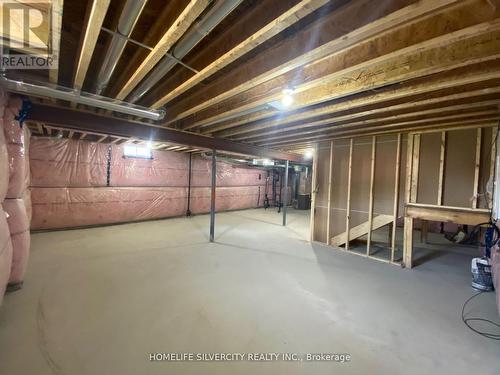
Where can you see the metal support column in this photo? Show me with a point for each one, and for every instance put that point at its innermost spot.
(188, 211)
(285, 193)
(212, 197)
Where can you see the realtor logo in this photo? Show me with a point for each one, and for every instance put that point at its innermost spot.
(26, 37)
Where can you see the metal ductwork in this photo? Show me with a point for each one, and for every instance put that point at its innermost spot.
(93, 100)
(195, 34)
(128, 18)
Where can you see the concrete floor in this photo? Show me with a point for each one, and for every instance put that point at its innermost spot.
(98, 301)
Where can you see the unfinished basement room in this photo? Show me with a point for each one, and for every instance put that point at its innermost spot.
(249, 187)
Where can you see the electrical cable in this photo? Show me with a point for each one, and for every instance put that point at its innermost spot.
(489, 335)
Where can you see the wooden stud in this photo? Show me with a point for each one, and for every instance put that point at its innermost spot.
(442, 156)
(102, 138)
(70, 134)
(83, 135)
(92, 30)
(408, 242)
(171, 36)
(395, 207)
(493, 161)
(348, 204)
(329, 200)
(415, 168)
(313, 189)
(424, 229)
(292, 16)
(372, 184)
(475, 191)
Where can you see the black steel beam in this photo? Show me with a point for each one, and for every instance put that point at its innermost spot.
(92, 122)
(212, 196)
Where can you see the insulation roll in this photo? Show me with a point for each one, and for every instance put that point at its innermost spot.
(20, 237)
(5, 253)
(4, 164)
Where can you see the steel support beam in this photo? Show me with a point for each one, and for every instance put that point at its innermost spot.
(285, 195)
(91, 122)
(212, 196)
(188, 210)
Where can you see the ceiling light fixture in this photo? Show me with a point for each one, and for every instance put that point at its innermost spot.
(287, 98)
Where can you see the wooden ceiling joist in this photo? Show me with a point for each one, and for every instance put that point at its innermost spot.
(350, 33)
(171, 36)
(480, 74)
(96, 18)
(468, 46)
(295, 14)
(440, 102)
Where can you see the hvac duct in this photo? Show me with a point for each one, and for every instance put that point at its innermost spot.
(128, 18)
(63, 93)
(196, 33)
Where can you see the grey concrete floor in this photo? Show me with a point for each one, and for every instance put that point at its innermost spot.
(98, 301)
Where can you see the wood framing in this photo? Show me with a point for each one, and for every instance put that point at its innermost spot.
(314, 182)
(329, 199)
(92, 30)
(475, 191)
(460, 215)
(172, 35)
(395, 208)
(442, 155)
(372, 184)
(348, 203)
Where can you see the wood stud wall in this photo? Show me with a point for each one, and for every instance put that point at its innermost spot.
(470, 213)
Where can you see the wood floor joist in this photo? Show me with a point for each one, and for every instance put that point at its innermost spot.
(478, 76)
(325, 79)
(295, 14)
(92, 30)
(471, 99)
(171, 36)
(354, 23)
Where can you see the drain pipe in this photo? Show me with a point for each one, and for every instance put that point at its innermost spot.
(196, 33)
(79, 97)
(128, 18)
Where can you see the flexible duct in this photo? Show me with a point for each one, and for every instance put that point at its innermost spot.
(213, 17)
(128, 18)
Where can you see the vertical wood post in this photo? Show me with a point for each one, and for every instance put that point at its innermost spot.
(408, 221)
(475, 200)
(313, 191)
(348, 205)
(396, 198)
(493, 161)
(441, 169)
(370, 206)
(329, 204)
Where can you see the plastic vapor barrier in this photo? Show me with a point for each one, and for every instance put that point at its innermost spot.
(18, 222)
(5, 253)
(70, 177)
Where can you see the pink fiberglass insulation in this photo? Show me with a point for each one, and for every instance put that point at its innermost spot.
(17, 140)
(4, 164)
(165, 169)
(5, 253)
(227, 174)
(74, 207)
(67, 163)
(27, 203)
(18, 222)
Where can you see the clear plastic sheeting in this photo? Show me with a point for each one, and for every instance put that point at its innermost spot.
(67, 163)
(18, 223)
(164, 169)
(17, 140)
(5, 253)
(74, 207)
(4, 163)
(69, 180)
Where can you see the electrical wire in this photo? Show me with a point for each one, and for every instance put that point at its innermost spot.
(489, 335)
